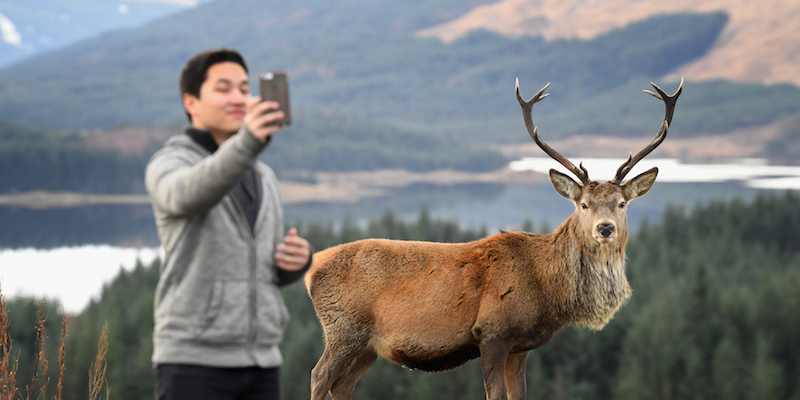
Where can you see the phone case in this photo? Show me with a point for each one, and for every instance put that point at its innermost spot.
(275, 87)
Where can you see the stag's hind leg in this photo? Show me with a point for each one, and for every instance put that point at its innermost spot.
(343, 387)
(336, 361)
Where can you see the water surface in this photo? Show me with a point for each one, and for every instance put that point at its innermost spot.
(70, 253)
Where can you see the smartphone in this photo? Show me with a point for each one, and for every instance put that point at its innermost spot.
(275, 87)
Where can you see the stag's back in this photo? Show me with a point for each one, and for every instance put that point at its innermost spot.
(411, 268)
(390, 275)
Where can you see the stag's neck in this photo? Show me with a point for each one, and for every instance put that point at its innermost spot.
(597, 285)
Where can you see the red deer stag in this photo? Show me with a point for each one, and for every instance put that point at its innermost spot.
(435, 306)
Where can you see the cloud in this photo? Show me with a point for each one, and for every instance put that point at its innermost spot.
(9, 33)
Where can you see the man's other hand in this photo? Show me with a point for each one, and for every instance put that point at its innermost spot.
(294, 253)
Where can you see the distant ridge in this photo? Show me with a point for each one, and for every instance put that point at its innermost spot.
(761, 42)
(376, 70)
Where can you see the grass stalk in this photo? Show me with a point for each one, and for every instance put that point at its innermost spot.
(8, 372)
(62, 350)
(41, 338)
(98, 382)
(97, 373)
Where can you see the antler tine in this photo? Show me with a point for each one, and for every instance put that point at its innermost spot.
(632, 160)
(669, 105)
(533, 130)
(669, 101)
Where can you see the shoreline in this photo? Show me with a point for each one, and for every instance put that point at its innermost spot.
(330, 187)
(45, 199)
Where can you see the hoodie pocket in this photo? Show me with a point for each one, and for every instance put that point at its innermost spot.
(227, 315)
(272, 313)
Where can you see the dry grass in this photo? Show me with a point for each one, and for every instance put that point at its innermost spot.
(97, 373)
(9, 365)
(8, 373)
(61, 352)
(41, 338)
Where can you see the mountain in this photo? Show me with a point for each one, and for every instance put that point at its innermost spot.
(377, 65)
(761, 43)
(33, 26)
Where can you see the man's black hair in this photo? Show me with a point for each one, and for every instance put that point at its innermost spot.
(195, 72)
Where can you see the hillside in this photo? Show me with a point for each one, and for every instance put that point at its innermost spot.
(760, 44)
(374, 66)
(112, 162)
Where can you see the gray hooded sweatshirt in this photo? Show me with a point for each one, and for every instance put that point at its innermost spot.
(217, 301)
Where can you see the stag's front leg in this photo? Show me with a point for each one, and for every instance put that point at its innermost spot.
(494, 355)
(515, 375)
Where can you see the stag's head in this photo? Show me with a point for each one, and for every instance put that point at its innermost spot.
(601, 206)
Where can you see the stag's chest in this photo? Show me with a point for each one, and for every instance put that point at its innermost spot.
(602, 289)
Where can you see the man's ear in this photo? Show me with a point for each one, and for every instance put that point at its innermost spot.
(565, 186)
(639, 185)
(190, 103)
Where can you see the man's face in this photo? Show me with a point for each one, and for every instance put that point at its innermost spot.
(221, 105)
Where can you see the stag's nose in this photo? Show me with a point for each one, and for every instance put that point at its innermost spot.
(605, 230)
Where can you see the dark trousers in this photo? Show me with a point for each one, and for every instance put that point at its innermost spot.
(195, 382)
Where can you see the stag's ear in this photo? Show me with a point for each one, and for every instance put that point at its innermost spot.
(565, 186)
(639, 185)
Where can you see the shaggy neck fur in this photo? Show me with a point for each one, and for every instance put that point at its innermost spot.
(598, 272)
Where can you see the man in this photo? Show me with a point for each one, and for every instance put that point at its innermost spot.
(219, 315)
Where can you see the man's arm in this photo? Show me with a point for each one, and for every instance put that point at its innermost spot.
(180, 188)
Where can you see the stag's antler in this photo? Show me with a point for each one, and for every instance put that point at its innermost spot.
(669, 103)
(581, 173)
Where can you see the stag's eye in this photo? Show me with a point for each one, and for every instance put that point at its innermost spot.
(622, 205)
(584, 206)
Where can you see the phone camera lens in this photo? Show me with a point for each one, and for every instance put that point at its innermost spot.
(268, 76)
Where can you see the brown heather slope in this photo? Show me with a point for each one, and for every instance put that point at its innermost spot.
(128, 139)
(761, 42)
